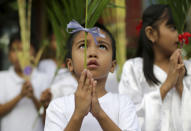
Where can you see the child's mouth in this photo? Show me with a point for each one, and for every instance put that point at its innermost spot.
(92, 64)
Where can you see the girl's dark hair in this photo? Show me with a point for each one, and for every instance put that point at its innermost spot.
(152, 16)
(102, 27)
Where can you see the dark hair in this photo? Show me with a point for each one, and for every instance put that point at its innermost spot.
(152, 16)
(102, 27)
(16, 37)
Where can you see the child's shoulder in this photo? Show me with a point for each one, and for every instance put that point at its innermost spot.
(134, 64)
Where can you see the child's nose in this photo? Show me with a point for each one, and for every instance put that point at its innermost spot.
(92, 52)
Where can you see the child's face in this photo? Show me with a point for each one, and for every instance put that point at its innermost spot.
(17, 46)
(167, 39)
(99, 57)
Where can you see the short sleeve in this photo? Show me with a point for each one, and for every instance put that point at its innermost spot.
(128, 120)
(55, 119)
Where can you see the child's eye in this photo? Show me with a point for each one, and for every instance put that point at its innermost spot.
(82, 45)
(172, 27)
(102, 47)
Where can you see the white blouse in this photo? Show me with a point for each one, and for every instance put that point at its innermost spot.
(119, 109)
(171, 114)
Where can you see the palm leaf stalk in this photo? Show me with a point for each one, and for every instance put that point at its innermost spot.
(24, 56)
(85, 51)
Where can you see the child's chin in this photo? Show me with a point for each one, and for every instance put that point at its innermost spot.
(97, 76)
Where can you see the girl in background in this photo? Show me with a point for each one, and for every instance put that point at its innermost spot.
(158, 80)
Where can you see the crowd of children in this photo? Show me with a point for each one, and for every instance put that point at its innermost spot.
(153, 93)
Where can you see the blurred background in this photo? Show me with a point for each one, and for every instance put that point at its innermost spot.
(51, 16)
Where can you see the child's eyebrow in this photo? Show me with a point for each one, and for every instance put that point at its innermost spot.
(80, 41)
(106, 42)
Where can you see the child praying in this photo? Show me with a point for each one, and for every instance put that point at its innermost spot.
(91, 107)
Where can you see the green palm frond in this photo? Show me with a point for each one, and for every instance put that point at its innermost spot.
(180, 9)
(60, 13)
(95, 10)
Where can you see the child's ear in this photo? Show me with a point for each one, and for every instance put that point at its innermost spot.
(69, 64)
(151, 34)
(113, 66)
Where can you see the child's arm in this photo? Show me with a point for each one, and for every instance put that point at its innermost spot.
(105, 122)
(7, 107)
(82, 102)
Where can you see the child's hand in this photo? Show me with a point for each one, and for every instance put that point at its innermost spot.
(45, 98)
(83, 94)
(174, 68)
(30, 93)
(26, 89)
(95, 106)
(181, 70)
(179, 84)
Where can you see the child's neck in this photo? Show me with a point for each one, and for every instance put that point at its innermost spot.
(100, 87)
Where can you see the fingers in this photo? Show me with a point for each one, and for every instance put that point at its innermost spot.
(82, 79)
(174, 59)
(182, 70)
(30, 92)
(26, 85)
(46, 95)
(94, 89)
(87, 85)
(27, 90)
(180, 66)
(180, 59)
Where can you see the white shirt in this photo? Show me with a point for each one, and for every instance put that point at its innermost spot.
(22, 116)
(118, 107)
(171, 114)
